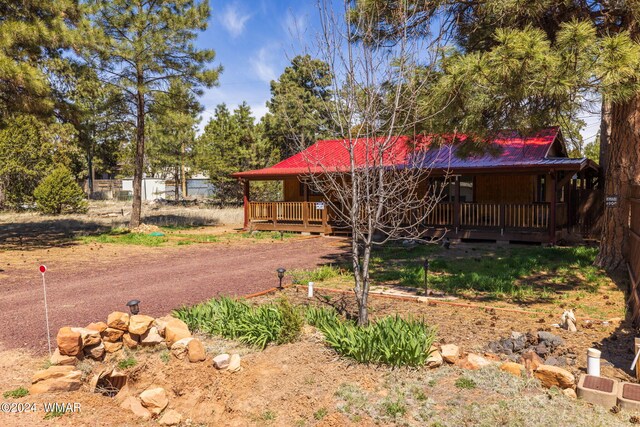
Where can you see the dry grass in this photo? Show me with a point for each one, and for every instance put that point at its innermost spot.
(31, 229)
(430, 398)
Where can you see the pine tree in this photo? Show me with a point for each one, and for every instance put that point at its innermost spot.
(60, 193)
(139, 47)
(98, 112)
(298, 113)
(232, 142)
(172, 134)
(485, 30)
(29, 148)
(33, 35)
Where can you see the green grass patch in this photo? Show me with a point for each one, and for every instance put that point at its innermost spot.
(320, 413)
(139, 239)
(394, 408)
(465, 383)
(15, 393)
(518, 273)
(318, 274)
(129, 362)
(263, 235)
(54, 414)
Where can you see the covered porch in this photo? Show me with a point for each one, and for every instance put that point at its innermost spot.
(524, 207)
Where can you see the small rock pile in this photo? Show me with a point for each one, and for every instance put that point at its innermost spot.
(547, 346)
(97, 340)
(531, 364)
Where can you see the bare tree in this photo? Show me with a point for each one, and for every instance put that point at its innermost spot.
(382, 189)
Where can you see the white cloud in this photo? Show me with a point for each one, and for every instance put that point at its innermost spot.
(259, 110)
(233, 20)
(263, 66)
(295, 24)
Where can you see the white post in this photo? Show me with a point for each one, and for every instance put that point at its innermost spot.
(310, 292)
(593, 362)
(43, 269)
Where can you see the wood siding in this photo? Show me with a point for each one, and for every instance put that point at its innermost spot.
(292, 192)
(504, 188)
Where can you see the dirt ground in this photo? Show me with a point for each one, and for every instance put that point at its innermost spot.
(306, 384)
(87, 282)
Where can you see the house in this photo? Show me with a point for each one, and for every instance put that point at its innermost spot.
(517, 188)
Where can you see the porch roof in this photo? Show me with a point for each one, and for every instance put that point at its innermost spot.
(509, 151)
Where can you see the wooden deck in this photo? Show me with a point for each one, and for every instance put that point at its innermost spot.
(290, 216)
(492, 221)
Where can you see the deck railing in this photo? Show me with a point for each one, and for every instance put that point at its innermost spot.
(470, 215)
(301, 215)
(480, 214)
(527, 215)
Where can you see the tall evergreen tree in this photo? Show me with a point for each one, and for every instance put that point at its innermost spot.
(99, 114)
(172, 133)
(139, 47)
(33, 34)
(298, 112)
(29, 149)
(232, 142)
(492, 27)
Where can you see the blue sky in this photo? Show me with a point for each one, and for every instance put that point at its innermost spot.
(254, 41)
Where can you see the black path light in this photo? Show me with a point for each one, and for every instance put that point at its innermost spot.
(281, 272)
(425, 266)
(134, 306)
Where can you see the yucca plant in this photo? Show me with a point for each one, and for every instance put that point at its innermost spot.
(255, 326)
(391, 340)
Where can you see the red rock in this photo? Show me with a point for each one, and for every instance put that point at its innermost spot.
(69, 341)
(118, 320)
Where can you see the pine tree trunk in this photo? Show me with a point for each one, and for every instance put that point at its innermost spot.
(136, 209)
(605, 130)
(622, 170)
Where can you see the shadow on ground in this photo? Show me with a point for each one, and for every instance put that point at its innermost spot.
(46, 233)
(172, 220)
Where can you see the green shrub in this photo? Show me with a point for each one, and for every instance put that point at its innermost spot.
(391, 340)
(292, 322)
(320, 316)
(394, 408)
(59, 193)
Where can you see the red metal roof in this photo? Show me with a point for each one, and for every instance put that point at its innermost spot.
(507, 150)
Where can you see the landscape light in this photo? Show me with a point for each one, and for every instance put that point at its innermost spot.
(281, 272)
(134, 307)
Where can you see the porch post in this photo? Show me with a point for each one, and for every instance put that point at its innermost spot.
(552, 210)
(456, 204)
(245, 202)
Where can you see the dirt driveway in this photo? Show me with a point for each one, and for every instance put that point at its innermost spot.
(83, 289)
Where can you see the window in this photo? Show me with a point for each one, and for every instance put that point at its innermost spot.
(310, 190)
(449, 191)
(541, 189)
